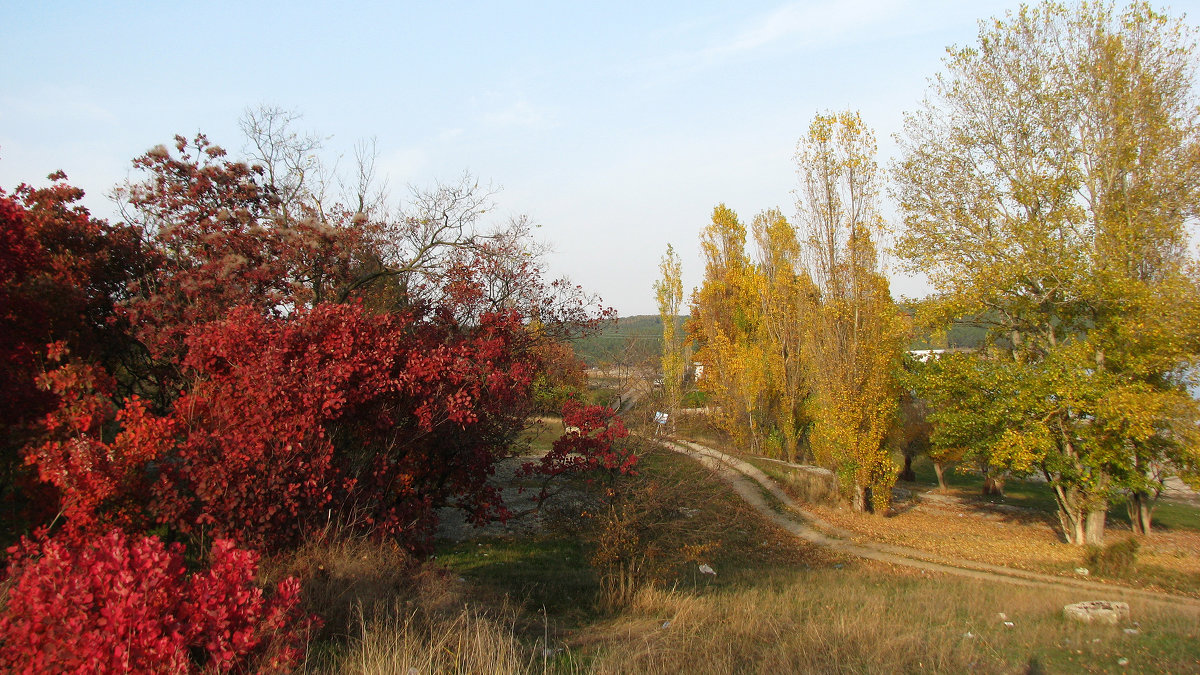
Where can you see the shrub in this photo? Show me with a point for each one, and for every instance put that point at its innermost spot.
(1115, 559)
(100, 483)
(62, 275)
(653, 528)
(117, 604)
(268, 375)
(594, 440)
(813, 485)
(287, 422)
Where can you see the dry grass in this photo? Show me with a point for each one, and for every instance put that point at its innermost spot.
(812, 487)
(674, 516)
(348, 577)
(857, 619)
(469, 642)
(776, 605)
(387, 613)
(870, 619)
(770, 631)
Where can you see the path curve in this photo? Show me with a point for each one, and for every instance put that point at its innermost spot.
(749, 482)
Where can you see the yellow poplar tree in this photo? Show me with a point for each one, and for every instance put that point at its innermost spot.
(723, 327)
(669, 292)
(787, 297)
(856, 338)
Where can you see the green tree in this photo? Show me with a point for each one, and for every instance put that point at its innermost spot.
(1046, 184)
(855, 343)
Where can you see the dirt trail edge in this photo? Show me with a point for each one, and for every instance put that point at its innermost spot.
(749, 482)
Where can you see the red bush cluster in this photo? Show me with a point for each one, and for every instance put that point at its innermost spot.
(121, 604)
(280, 370)
(335, 409)
(592, 441)
(230, 366)
(62, 274)
(98, 481)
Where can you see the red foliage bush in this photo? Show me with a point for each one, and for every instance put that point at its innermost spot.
(592, 441)
(98, 482)
(119, 605)
(209, 219)
(242, 403)
(62, 273)
(378, 418)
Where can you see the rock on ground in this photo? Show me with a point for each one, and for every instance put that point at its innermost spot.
(1097, 611)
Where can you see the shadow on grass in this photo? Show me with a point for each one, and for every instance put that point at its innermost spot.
(1038, 498)
(543, 575)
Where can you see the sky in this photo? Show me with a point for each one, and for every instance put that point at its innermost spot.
(615, 126)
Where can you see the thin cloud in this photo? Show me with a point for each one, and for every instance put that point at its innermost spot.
(807, 24)
(52, 102)
(519, 113)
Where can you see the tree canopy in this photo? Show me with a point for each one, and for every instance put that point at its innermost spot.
(1046, 185)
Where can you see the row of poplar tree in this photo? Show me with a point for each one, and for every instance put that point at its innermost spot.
(1047, 186)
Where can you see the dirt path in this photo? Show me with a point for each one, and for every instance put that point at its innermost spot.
(750, 483)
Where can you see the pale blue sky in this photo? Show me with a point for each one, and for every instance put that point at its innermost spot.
(616, 126)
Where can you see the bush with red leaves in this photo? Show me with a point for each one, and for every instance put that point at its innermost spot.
(379, 419)
(118, 604)
(276, 371)
(98, 482)
(62, 273)
(593, 441)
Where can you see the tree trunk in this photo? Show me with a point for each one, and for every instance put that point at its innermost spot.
(1094, 527)
(1072, 525)
(907, 472)
(862, 499)
(790, 442)
(940, 470)
(1083, 528)
(993, 486)
(1070, 515)
(1141, 512)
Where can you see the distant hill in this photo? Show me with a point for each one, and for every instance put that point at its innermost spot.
(629, 339)
(964, 333)
(633, 339)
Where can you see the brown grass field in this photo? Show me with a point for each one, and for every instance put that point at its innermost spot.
(546, 604)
